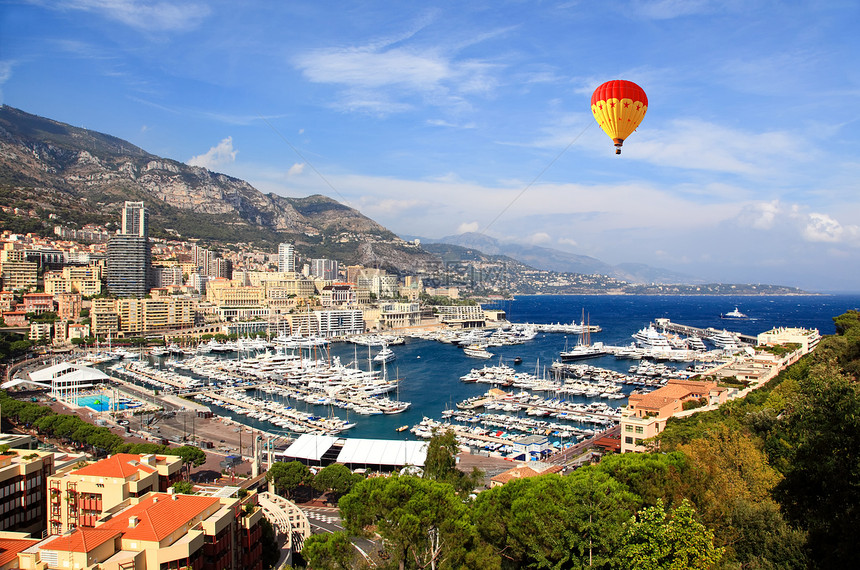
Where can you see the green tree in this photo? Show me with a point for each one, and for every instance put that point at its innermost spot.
(335, 479)
(183, 488)
(191, 456)
(441, 463)
(655, 540)
(328, 551)
(287, 477)
(821, 488)
(423, 521)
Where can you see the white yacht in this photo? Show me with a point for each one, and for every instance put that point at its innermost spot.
(724, 339)
(581, 351)
(649, 337)
(384, 355)
(477, 351)
(736, 314)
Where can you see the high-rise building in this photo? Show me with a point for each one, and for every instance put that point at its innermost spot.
(129, 254)
(135, 220)
(324, 269)
(286, 257)
(128, 265)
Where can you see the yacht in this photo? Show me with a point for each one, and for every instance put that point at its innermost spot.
(649, 337)
(724, 339)
(477, 351)
(736, 314)
(384, 355)
(581, 351)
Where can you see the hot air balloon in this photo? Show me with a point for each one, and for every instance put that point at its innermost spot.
(619, 106)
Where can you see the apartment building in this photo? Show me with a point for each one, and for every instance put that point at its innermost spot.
(161, 531)
(23, 483)
(84, 280)
(646, 414)
(38, 303)
(141, 316)
(79, 497)
(69, 305)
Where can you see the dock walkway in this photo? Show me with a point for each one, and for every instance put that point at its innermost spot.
(688, 330)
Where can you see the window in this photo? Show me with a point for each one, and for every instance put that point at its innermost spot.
(628, 428)
(640, 429)
(628, 439)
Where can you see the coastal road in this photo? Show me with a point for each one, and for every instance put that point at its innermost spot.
(566, 456)
(327, 519)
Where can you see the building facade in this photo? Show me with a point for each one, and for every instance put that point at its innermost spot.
(128, 260)
(286, 257)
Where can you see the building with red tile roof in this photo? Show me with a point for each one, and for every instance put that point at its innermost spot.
(11, 543)
(79, 497)
(523, 471)
(160, 531)
(646, 414)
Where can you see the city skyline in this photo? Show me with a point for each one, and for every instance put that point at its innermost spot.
(435, 120)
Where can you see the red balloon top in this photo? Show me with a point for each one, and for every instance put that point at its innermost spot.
(619, 89)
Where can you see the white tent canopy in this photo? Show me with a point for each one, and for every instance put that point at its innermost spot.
(310, 447)
(383, 452)
(358, 452)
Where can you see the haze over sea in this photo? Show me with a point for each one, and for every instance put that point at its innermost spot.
(431, 371)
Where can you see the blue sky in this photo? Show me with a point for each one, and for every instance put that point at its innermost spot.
(435, 118)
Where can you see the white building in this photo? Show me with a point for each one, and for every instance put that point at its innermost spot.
(286, 257)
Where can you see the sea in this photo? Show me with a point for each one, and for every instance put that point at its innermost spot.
(430, 371)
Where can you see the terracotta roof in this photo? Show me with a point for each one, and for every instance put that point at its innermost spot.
(82, 539)
(159, 514)
(524, 471)
(120, 465)
(10, 547)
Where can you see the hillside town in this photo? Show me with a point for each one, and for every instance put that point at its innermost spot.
(127, 284)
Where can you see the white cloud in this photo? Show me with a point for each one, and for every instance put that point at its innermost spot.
(467, 227)
(761, 215)
(296, 169)
(823, 228)
(699, 145)
(539, 238)
(143, 14)
(217, 156)
(5, 75)
(381, 78)
(567, 241)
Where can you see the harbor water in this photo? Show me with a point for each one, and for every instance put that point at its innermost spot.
(430, 371)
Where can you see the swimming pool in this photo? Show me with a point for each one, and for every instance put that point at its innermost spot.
(99, 403)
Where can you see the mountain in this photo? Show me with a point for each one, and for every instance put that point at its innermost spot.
(549, 259)
(82, 176)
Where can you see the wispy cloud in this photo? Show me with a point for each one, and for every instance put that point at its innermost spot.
(467, 227)
(296, 169)
(219, 155)
(5, 74)
(382, 78)
(142, 14)
(700, 145)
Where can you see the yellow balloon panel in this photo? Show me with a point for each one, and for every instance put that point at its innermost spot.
(619, 118)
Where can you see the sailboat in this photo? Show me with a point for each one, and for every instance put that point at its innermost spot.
(584, 348)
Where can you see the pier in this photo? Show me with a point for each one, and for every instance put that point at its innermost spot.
(707, 333)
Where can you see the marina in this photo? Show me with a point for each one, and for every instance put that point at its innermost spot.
(336, 388)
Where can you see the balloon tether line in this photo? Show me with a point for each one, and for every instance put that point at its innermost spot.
(536, 178)
(306, 161)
